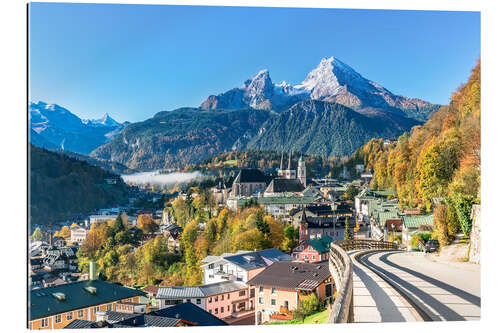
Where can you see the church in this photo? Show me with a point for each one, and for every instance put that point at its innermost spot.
(289, 180)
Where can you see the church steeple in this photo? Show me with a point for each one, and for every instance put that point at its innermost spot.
(281, 165)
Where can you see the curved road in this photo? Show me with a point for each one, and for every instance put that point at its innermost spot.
(434, 291)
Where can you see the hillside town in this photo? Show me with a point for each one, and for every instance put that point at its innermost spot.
(240, 286)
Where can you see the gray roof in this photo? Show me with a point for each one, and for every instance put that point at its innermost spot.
(144, 320)
(280, 185)
(114, 317)
(292, 275)
(190, 312)
(251, 176)
(200, 291)
(78, 323)
(209, 259)
(257, 259)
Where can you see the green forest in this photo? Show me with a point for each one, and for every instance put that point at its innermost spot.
(62, 187)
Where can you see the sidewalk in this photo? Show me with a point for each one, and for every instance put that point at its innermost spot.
(375, 301)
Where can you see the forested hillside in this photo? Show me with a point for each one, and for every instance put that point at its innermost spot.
(437, 163)
(61, 187)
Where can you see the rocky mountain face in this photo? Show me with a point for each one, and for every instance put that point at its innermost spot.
(183, 136)
(55, 127)
(326, 129)
(331, 81)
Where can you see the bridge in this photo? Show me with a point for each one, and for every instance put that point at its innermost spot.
(376, 282)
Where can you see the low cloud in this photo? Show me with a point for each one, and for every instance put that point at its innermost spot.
(156, 178)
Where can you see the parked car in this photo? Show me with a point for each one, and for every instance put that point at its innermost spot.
(431, 246)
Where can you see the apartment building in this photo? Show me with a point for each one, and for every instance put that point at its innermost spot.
(57, 306)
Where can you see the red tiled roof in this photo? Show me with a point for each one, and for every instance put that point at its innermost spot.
(151, 289)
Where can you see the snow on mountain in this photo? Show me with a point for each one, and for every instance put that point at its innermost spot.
(332, 80)
(56, 126)
(105, 120)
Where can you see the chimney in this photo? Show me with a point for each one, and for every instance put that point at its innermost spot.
(92, 271)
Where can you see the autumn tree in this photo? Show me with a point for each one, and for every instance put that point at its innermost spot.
(146, 223)
(37, 234)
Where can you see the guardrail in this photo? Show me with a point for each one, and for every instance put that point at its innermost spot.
(341, 270)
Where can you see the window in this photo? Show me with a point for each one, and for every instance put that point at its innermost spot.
(314, 257)
(198, 301)
(228, 296)
(261, 300)
(216, 298)
(228, 308)
(210, 300)
(45, 322)
(252, 292)
(80, 313)
(58, 318)
(261, 289)
(216, 310)
(95, 309)
(273, 291)
(69, 315)
(222, 309)
(273, 301)
(222, 297)
(109, 307)
(305, 256)
(211, 266)
(243, 293)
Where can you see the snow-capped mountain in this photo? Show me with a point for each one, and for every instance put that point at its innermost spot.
(55, 126)
(105, 120)
(332, 81)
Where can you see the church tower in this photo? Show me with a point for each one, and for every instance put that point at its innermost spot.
(289, 172)
(281, 171)
(301, 171)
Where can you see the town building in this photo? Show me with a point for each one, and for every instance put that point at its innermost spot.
(222, 299)
(241, 266)
(280, 186)
(313, 249)
(190, 313)
(221, 193)
(78, 235)
(281, 206)
(412, 224)
(101, 218)
(280, 287)
(55, 307)
(249, 182)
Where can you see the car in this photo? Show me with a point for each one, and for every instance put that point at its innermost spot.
(431, 246)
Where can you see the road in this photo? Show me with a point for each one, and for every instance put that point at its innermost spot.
(435, 291)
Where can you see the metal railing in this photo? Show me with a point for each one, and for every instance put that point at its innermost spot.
(342, 272)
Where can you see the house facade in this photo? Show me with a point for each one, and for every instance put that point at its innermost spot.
(78, 235)
(241, 266)
(313, 250)
(221, 299)
(281, 286)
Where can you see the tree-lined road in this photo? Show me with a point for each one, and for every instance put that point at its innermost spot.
(434, 291)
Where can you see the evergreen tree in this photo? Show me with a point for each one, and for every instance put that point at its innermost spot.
(347, 232)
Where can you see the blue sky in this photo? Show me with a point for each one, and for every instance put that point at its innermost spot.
(133, 61)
